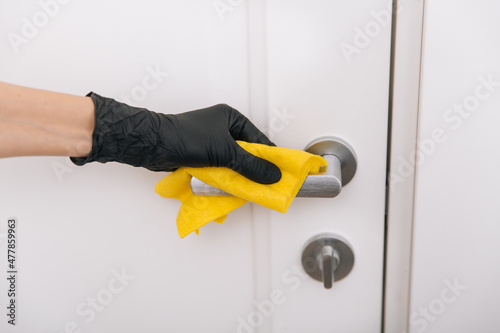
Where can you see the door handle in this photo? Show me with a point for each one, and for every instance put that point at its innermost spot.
(327, 183)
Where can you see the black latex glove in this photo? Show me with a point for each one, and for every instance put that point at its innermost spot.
(161, 142)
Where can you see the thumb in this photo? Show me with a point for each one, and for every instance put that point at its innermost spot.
(255, 168)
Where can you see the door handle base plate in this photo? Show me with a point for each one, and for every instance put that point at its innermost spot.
(330, 145)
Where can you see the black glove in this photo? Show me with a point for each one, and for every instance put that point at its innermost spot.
(161, 142)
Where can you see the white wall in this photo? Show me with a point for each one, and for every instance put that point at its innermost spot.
(456, 249)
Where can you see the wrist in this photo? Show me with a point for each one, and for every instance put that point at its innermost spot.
(127, 134)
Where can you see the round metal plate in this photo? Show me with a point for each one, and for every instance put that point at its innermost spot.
(338, 147)
(313, 248)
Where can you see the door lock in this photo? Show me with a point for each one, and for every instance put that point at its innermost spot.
(327, 258)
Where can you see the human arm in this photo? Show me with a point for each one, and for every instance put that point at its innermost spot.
(36, 122)
(96, 128)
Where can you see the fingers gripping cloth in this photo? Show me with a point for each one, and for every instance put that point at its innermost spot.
(196, 211)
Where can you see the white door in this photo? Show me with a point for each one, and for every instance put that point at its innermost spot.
(98, 249)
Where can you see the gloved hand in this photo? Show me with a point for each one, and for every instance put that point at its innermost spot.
(161, 142)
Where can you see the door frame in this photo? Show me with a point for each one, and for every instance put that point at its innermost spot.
(406, 62)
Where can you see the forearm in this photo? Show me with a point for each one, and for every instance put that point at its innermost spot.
(36, 122)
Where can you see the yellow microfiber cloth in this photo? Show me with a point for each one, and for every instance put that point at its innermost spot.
(196, 211)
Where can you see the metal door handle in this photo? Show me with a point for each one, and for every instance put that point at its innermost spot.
(325, 184)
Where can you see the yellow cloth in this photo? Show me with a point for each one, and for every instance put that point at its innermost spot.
(196, 211)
